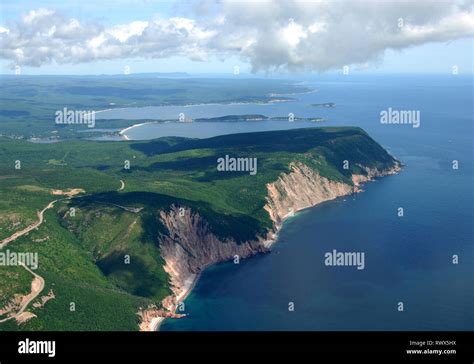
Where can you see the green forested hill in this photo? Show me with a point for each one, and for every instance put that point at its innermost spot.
(81, 256)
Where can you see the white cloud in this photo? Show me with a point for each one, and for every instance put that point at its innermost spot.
(293, 33)
(35, 16)
(289, 34)
(125, 31)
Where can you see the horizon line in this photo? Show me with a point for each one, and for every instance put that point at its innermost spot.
(252, 75)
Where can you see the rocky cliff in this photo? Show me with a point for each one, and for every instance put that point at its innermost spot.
(188, 247)
(303, 187)
(300, 189)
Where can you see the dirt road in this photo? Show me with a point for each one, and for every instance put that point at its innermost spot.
(37, 286)
(26, 230)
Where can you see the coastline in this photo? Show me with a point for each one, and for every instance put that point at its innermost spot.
(123, 131)
(274, 99)
(157, 321)
(273, 234)
(111, 109)
(268, 243)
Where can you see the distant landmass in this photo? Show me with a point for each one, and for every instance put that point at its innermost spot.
(29, 103)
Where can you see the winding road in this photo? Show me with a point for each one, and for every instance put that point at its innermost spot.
(37, 285)
(26, 230)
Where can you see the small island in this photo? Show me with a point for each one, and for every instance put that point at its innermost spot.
(326, 104)
(257, 117)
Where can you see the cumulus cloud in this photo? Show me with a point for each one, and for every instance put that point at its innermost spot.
(271, 35)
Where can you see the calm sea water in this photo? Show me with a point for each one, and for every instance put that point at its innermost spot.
(407, 259)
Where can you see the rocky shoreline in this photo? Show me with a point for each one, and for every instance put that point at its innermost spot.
(190, 247)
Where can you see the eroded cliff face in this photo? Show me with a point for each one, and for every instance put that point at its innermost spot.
(298, 190)
(371, 173)
(303, 188)
(189, 246)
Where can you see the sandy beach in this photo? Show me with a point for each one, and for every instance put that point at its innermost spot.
(123, 131)
(182, 295)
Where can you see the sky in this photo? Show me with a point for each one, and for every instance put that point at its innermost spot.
(225, 36)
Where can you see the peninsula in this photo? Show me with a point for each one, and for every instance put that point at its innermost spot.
(169, 213)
